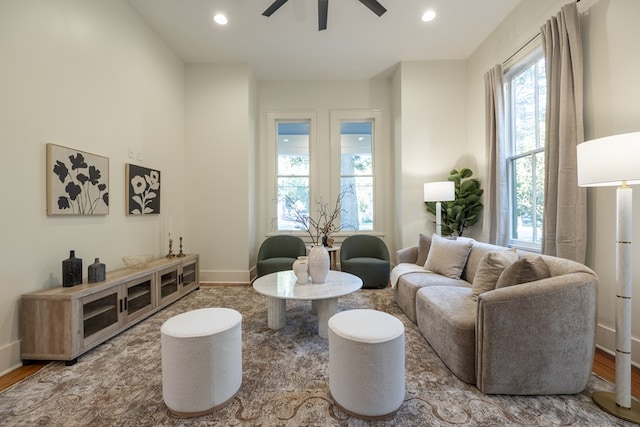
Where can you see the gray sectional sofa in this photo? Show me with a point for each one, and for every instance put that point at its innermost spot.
(512, 323)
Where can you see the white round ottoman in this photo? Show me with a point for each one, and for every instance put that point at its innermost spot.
(366, 362)
(201, 360)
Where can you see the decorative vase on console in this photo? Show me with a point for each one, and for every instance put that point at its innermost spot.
(301, 270)
(96, 272)
(71, 270)
(318, 263)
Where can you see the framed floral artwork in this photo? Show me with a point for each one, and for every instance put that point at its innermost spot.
(143, 190)
(77, 182)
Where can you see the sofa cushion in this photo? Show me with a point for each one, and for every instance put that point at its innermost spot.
(447, 319)
(424, 244)
(409, 284)
(489, 270)
(478, 250)
(448, 256)
(524, 270)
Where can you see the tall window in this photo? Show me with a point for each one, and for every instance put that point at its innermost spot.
(308, 164)
(293, 171)
(526, 92)
(356, 175)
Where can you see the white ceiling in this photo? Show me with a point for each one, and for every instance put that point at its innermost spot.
(356, 44)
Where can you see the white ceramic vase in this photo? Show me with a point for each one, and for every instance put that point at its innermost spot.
(300, 269)
(318, 264)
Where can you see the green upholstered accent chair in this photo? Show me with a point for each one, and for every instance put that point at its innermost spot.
(277, 253)
(366, 257)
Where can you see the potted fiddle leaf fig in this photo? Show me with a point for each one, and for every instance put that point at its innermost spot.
(464, 211)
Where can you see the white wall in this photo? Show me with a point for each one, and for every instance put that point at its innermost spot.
(220, 140)
(396, 158)
(321, 97)
(611, 69)
(87, 75)
(431, 112)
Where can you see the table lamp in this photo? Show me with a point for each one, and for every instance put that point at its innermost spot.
(441, 191)
(613, 161)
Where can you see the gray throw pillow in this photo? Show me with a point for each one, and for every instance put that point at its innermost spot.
(524, 270)
(448, 256)
(424, 243)
(489, 270)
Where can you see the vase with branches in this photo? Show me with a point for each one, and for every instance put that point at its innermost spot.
(321, 226)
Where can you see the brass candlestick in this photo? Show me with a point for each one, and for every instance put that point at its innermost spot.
(170, 254)
(180, 254)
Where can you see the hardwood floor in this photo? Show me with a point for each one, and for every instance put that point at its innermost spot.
(603, 365)
(19, 374)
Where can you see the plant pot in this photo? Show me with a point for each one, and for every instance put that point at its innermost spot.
(318, 264)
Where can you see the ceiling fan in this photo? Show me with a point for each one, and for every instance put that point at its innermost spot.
(323, 7)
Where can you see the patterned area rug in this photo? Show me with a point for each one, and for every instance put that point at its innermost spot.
(285, 379)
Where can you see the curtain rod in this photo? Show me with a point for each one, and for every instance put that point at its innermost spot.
(506, 61)
(532, 39)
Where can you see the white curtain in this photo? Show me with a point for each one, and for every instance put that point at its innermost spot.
(496, 214)
(565, 213)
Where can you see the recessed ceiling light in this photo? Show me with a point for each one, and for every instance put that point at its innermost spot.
(220, 19)
(429, 15)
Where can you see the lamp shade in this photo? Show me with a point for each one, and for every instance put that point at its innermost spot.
(441, 191)
(609, 161)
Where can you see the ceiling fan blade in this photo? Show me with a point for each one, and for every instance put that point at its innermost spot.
(375, 6)
(274, 6)
(323, 10)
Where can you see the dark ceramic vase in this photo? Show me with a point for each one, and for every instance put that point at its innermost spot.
(97, 272)
(72, 270)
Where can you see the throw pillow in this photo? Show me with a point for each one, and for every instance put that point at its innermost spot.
(523, 271)
(489, 270)
(424, 243)
(448, 256)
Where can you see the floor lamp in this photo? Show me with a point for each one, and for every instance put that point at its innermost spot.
(441, 191)
(613, 161)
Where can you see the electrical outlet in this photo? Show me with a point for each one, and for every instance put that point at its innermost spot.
(131, 152)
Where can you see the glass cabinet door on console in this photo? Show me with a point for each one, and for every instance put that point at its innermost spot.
(139, 297)
(178, 280)
(189, 276)
(104, 312)
(169, 284)
(100, 315)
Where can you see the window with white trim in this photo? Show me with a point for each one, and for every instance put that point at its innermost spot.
(526, 94)
(356, 175)
(292, 171)
(300, 177)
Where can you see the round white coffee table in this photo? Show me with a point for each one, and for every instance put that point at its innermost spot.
(281, 286)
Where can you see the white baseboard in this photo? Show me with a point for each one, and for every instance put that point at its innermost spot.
(606, 341)
(10, 357)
